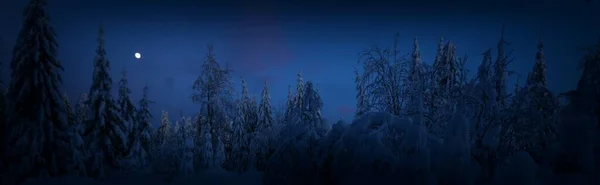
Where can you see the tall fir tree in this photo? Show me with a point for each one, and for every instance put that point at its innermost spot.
(298, 101)
(163, 133)
(206, 147)
(38, 141)
(212, 90)
(76, 138)
(240, 145)
(104, 134)
(500, 74)
(265, 117)
(126, 107)
(289, 105)
(263, 148)
(249, 109)
(538, 75)
(143, 129)
(416, 84)
(80, 109)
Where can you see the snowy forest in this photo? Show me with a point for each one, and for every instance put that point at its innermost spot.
(415, 123)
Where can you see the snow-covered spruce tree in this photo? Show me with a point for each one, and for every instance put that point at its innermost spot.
(239, 159)
(362, 104)
(80, 109)
(38, 143)
(484, 132)
(105, 134)
(218, 158)
(184, 147)
(299, 92)
(212, 90)
(263, 145)
(165, 153)
(500, 73)
(250, 110)
(311, 112)
(432, 96)
(76, 138)
(416, 82)
(536, 110)
(207, 149)
(143, 131)
(446, 87)
(383, 76)
(126, 107)
(296, 155)
(163, 133)
(289, 105)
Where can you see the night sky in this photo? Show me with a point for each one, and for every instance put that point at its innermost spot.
(274, 40)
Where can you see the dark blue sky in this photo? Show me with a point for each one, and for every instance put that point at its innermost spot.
(274, 40)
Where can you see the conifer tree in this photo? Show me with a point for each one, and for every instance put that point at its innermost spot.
(265, 111)
(289, 105)
(263, 148)
(206, 147)
(126, 107)
(298, 101)
(163, 133)
(104, 130)
(212, 90)
(240, 146)
(69, 111)
(38, 141)
(500, 73)
(416, 84)
(538, 75)
(80, 109)
(143, 129)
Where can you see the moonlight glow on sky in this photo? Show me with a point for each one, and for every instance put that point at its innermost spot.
(138, 55)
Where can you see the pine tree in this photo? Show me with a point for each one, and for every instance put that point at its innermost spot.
(69, 111)
(39, 138)
(80, 109)
(289, 105)
(104, 130)
(362, 104)
(265, 120)
(540, 107)
(212, 90)
(311, 110)
(416, 84)
(240, 146)
(126, 107)
(250, 110)
(500, 73)
(76, 139)
(483, 72)
(538, 75)
(163, 133)
(218, 157)
(143, 129)
(207, 147)
(299, 92)
(262, 148)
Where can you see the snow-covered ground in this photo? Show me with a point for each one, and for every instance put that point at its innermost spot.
(209, 177)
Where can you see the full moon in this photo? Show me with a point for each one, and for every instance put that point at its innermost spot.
(138, 55)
